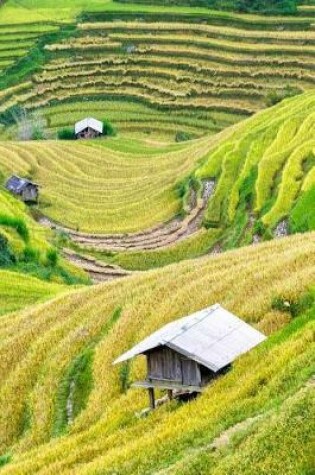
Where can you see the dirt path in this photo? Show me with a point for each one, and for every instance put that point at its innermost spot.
(98, 271)
(154, 238)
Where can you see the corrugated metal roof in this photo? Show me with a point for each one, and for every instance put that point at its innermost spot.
(213, 337)
(17, 184)
(89, 122)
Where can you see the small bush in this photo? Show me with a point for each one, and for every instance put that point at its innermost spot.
(182, 187)
(183, 136)
(259, 228)
(30, 254)
(52, 257)
(66, 133)
(108, 129)
(37, 134)
(4, 459)
(294, 307)
(6, 256)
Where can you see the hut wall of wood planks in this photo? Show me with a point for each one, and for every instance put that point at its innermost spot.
(185, 355)
(23, 188)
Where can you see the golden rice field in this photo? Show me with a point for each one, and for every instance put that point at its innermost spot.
(115, 187)
(38, 348)
(99, 189)
(18, 291)
(170, 70)
(215, 150)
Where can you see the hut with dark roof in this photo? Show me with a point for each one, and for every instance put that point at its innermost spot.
(23, 188)
(185, 355)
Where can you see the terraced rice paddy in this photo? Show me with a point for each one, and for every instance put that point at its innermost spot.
(18, 291)
(123, 206)
(16, 41)
(273, 156)
(108, 319)
(24, 231)
(112, 187)
(96, 189)
(27, 247)
(187, 73)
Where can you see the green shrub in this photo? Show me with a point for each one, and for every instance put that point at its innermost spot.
(108, 129)
(52, 257)
(67, 133)
(259, 228)
(37, 134)
(6, 256)
(294, 307)
(30, 254)
(182, 136)
(4, 459)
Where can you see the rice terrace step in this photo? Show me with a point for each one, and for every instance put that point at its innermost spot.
(157, 237)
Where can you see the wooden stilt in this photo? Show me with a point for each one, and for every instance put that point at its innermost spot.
(151, 398)
(170, 394)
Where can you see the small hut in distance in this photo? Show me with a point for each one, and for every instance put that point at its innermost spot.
(88, 128)
(187, 354)
(23, 188)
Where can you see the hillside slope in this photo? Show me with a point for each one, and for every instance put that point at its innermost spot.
(128, 189)
(27, 247)
(266, 164)
(167, 72)
(90, 187)
(19, 291)
(76, 337)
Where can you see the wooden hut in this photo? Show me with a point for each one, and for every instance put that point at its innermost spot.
(23, 188)
(88, 128)
(187, 354)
